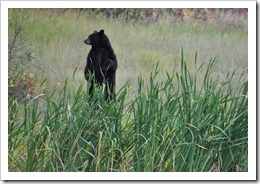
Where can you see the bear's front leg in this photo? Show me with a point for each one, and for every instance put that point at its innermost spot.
(88, 71)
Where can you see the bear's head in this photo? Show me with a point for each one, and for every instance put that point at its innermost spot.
(97, 39)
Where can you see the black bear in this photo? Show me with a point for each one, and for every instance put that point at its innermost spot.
(101, 64)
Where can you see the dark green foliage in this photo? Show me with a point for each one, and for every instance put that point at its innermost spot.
(166, 127)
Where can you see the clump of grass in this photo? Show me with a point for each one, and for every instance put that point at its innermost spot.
(190, 128)
(171, 126)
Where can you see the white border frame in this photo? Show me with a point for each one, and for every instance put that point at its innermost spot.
(250, 175)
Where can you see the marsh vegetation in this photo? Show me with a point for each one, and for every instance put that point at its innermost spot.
(182, 102)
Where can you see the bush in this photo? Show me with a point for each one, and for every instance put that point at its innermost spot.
(227, 17)
(22, 81)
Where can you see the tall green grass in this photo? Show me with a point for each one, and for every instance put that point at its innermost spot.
(173, 125)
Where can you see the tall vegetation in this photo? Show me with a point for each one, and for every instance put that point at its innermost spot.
(164, 128)
(173, 112)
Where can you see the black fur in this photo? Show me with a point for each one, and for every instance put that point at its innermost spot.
(101, 62)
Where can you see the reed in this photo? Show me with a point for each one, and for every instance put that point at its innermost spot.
(175, 125)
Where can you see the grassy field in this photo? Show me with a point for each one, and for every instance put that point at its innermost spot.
(59, 49)
(181, 97)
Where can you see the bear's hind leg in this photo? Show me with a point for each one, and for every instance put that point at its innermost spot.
(91, 88)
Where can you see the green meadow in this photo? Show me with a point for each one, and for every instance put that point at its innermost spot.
(181, 105)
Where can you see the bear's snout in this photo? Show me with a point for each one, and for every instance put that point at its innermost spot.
(87, 41)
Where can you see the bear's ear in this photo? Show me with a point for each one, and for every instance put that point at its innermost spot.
(101, 31)
(95, 31)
